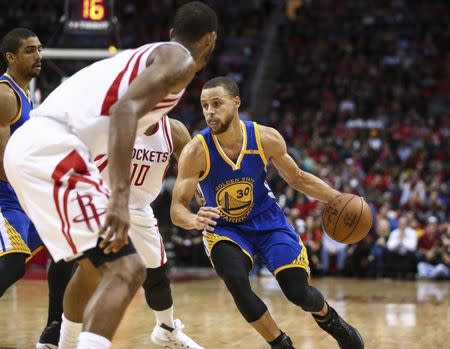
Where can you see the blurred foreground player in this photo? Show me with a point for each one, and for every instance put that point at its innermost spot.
(101, 109)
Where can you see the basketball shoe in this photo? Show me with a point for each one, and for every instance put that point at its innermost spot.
(173, 337)
(346, 336)
(50, 336)
(284, 342)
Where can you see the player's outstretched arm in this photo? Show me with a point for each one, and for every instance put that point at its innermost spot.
(169, 70)
(191, 165)
(276, 151)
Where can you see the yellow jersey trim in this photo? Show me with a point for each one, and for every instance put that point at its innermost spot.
(34, 253)
(19, 114)
(237, 165)
(258, 142)
(212, 239)
(300, 262)
(17, 243)
(208, 161)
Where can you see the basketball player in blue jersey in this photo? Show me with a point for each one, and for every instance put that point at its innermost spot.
(21, 57)
(241, 218)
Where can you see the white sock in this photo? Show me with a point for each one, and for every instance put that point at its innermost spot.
(69, 334)
(89, 340)
(165, 317)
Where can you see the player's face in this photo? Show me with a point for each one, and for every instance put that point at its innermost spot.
(28, 57)
(219, 108)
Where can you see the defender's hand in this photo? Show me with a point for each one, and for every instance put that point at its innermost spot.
(204, 220)
(117, 224)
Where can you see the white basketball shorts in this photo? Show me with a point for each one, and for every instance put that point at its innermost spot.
(58, 186)
(146, 238)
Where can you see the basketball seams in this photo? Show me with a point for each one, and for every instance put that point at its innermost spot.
(357, 222)
(337, 220)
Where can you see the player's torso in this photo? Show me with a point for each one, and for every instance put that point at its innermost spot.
(83, 101)
(239, 187)
(23, 115)
(150, 159)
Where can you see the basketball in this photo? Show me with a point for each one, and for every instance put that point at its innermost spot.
(347, 218)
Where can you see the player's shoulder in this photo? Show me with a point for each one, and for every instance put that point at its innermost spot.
(269, 134)
(179, 132)
(6, 90)
(195, 148)
(173, 54)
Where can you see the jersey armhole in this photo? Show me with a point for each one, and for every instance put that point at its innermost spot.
(208, 162)
(259, 144)
(19, 114)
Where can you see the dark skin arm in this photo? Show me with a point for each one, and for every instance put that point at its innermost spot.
(169, 70)
(9, 107)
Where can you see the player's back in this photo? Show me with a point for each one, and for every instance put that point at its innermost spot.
(83, 101)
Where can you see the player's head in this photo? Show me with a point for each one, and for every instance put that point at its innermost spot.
(220, 103)
(21, 52)
(195, 26)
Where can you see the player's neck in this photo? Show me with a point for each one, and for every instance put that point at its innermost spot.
(22, 82)
(233, 137)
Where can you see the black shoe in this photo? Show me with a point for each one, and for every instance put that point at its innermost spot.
(283, 342)
(346, 336)
(50, 336)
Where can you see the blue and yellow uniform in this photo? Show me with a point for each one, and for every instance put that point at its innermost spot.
(17, 232)
(251, 217)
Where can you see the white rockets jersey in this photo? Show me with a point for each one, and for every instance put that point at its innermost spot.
(83, 101)
(150, 159)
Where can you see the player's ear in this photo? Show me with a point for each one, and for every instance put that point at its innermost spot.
(10, 57)
(207, 39)
(237, 101)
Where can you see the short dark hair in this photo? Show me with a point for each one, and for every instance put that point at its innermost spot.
(227, 83)
(193, 20)
(11, 43)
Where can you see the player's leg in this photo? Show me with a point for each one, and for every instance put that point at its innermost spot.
(149, 244)
(12, 268)
(100, 307)
(286, 257)
(58, 277)
(234, 266)
(13, 238)
(64, 195)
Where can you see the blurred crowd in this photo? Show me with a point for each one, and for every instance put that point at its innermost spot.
(362, 100)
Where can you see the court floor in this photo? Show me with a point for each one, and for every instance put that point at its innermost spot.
(389, 314)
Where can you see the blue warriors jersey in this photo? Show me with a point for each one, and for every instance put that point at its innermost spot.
(251, 217)
(25, 104)
(239, 188)
(17, 232)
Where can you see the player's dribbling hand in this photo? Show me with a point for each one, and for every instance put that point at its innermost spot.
(117, 224)
(205, 218)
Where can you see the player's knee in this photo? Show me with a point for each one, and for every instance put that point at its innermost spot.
(295, 286)
(157, 289)
(12, 269)
(236, 281)
(130, 270)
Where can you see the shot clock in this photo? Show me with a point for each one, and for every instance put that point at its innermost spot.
(88, 16)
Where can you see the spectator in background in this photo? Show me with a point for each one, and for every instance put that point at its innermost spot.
(332, 249)
(401, 248)
(439, 267)
(312, 238)
(429, 242)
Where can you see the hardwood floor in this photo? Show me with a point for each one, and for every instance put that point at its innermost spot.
(389, 314)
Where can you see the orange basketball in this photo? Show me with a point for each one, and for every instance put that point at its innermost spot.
(347, 218)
